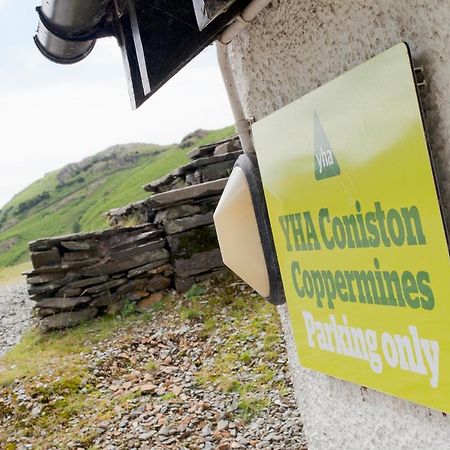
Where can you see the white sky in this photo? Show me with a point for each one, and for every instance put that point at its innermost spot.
(51, 115)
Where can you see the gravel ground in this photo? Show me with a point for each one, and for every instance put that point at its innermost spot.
(177, 381)
(15, 314)
(190, 415)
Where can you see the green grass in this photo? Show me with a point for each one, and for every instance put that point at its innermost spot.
(35, 350)
(13, 274)
(80, 203)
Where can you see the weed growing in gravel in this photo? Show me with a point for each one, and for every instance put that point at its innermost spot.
(151, 366)
(168, 396)
(191, 314)
(129, 308)
(196, 290)
(253, 332)
(58, 387)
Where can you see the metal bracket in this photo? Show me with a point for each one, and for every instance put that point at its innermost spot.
(419, 76)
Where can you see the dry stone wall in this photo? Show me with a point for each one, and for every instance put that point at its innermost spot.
(187, 218)
(208, 163)
(79, 276)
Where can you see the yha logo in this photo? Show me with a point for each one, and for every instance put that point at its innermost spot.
(325, 161)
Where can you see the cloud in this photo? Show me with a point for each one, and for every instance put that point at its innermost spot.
(49, 124)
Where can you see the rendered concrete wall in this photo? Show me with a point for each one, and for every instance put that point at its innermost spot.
(292, 48)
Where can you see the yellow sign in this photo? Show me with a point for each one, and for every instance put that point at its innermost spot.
(359, 232)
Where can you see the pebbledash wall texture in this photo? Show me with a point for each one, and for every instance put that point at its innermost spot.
(292, 48)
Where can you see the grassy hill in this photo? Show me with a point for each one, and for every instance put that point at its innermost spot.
(74, 198)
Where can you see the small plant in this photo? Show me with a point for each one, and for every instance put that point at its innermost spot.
(168, 396)
(195, 291)
(76, 227)
(250, 407)
(129, 308)
(245, 357)
(209, 326)
(152, 366)
(190, 314)
(132, 220)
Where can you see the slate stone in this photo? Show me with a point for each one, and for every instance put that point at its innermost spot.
(158, 283)
(198, 263)
(37, 297)
(61, 269)
(127, 264)
(148, 268)
(63, 303)
(122, 211)
(68, 292)
(118, 217)
(78, 255)
(222, 149)
(43, 289)
(57, 240)
(165, 269)
(227, 147)
(187, 223)
(202, 162)
(44, 312)
(160, 182)
(71, 265)
(67, 319)
(115, 308)
(194, 178)
(216, 171)
(184, 195)
(105, 286)
(178, 183)
(43, 278)
(105, 300)
(129, 240)
(94, 235)
(137, 249)
(220, 273)
(201, 152)
(54, 284)
(175, 212)
(132, 285)
(45, 258)
(78, 245)
(209, 149)
(148, 302)
(183, 284)
(87, 282)
(209, 203)
(40, 245)
(134, 296)
(193, 241)
(151, 232)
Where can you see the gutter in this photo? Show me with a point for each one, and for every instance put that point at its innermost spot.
(68, 29)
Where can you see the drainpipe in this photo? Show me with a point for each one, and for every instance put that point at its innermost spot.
(242, 124)
(68, 29)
